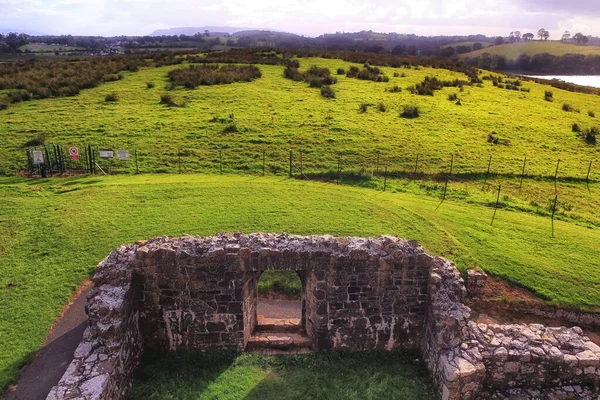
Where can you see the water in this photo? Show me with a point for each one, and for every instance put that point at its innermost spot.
(585, 80)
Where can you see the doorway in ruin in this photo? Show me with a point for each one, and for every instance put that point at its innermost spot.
(276, 313)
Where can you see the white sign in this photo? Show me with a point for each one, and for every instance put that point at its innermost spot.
(38, 157)
(106, 154)
(122, 154)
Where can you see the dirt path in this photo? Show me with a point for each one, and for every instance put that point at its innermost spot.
(55, 355)
(280, 309)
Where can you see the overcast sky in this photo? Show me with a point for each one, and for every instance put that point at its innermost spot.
(308, 17)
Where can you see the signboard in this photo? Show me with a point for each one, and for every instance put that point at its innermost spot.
(38, 157)
(122, 154)
(106, 154)
(73, 153)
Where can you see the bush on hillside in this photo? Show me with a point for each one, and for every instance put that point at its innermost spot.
(592, 114)
(111, 98)
(394, 89)
(575, 128)
(341, 71)
(452, 97)
(382, 107)
(149, 85)
(410, 111)
(567, 107)
(362, 108)
(327, 92)
(206, 74)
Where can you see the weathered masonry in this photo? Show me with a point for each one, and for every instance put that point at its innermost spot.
(384, 293)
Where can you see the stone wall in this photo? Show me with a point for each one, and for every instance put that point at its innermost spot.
(358, 293)
(110, 351)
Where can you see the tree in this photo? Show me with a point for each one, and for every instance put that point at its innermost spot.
(543, 34)
(206, 33)
(528, 36)
(498, 41)
(477, 46)
(580, 38)
(566, 36)
(517, 35)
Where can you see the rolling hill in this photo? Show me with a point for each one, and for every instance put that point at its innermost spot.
(533, 47)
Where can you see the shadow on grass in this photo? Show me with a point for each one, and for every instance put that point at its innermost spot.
(322, 375)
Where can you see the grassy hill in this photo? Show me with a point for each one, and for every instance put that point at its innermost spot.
(533, 47)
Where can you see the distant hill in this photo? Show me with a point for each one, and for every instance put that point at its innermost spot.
(193, 30)
(532, 47)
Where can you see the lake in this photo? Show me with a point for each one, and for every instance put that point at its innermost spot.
(585, 80)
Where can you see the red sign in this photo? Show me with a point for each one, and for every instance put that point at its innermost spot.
(73, 153)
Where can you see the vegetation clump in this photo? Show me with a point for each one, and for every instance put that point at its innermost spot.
(576, 128)
(368, 73)
(327, 92)
(200, 75)
(410, 111)
(111, 98)
(362, 108)
(169, 102)
(382, 107)
(149, 85)
(394, 89)
(341, 71)
(452, 97)
(567, 107)
(549, 96)
(430, 84)
(589, 135)
(592, 114)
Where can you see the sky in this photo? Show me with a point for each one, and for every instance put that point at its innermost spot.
(306, 17)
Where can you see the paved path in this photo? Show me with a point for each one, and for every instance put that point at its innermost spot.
(279, 309)
(55, 355)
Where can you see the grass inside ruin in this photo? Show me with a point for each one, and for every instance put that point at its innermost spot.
(324, 375)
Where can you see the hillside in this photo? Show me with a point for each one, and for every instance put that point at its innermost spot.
(532, 47)
(193, 30)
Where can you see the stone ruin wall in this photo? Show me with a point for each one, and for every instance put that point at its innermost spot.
(376, 293)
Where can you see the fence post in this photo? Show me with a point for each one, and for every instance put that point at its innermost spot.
(301, 171)
(416, 166)
(179, 158)
(47, 160)
(556, 176)
(487, 174)
(339, 169)
(553, 211)
(263, 166)
(587, 178)
(384, 178)
(496, 207)
(291, 160)
(522, 174)
(443, 195)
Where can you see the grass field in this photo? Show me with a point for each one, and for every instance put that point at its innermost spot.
(55, 231)
(276, 115)
(533, 47)
(333, 376)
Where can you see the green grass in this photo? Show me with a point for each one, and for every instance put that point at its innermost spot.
(55, 231)
(325, 375)
(276, 115)
(532, 47)
(284, 283)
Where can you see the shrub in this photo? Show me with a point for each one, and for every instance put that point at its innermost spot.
(149, 85)
(341, 71)
(452, 97)
(526, 90)
(410, 111)
(381, 107)
(491, 138)
(592, 114)
(396, 74)
(111, 98)
(38, 140)
(575, 128)
(394, 89)
(548, 95)
(403, 75)
(327, 92)
(167, 100)
(4, 102)
(589, 135)
(362, 108)
(368, 73)
(230, 128)
(195, 75)
(567, 107)
(458, 103)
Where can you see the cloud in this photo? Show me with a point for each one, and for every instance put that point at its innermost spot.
(311, 17)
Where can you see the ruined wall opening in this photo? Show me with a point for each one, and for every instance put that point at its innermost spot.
(275, 312)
